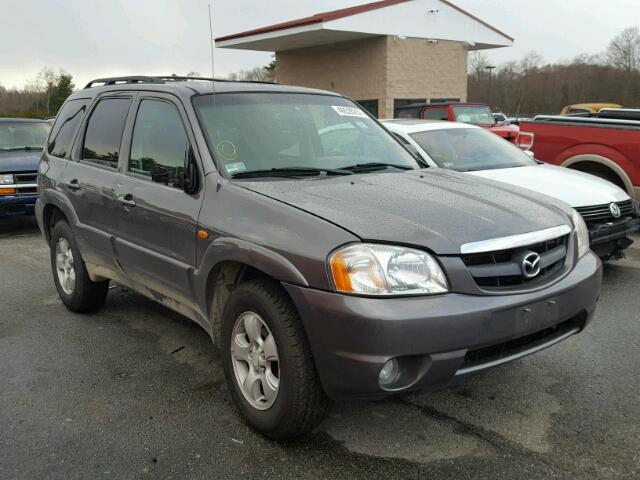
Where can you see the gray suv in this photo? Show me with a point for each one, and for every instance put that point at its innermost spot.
(317, 252)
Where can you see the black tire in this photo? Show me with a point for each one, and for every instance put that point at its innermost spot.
(87, 296)
(301, 403)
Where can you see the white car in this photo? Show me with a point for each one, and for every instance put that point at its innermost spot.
(608, 211)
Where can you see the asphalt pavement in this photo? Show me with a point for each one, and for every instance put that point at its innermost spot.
(137, 391)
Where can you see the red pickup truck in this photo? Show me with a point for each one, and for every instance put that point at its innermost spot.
(606, 144)
(474, 113)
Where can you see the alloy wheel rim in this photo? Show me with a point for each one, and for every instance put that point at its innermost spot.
(256, 365)
(64, 266)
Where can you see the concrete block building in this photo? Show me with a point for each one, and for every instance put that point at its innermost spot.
(384, 54)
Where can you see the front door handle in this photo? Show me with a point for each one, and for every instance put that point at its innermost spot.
(127, 200)
(72, 184)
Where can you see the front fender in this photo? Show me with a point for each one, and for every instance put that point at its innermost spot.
(228, 249)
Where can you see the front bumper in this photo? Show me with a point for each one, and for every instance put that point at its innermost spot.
(17, 204)
(609, 239)
(437, 339)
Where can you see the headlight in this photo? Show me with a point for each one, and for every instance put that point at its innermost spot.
(582, 234)
(373, 269)
(6, 179)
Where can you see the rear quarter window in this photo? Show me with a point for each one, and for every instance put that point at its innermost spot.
(436, 114)
(66, 126)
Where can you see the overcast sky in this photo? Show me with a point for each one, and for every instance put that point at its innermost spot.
(91, 38)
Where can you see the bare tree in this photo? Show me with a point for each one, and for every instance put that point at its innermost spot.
(259, 74)
(531, 61)
(624, 50)
(478, 61)
(41, 96)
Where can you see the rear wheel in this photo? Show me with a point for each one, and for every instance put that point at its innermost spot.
(268, 364)
(76, 290)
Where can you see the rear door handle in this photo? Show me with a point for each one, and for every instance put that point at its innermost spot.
(127, 200)
(72, 184)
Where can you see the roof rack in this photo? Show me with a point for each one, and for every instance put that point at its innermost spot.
(101, 82)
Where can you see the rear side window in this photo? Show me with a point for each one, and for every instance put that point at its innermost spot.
(408, 112)
(159, 144)
(435, 114)
(104, 132)
(66, 126)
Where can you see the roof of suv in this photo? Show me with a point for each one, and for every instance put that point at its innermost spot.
(188, 86)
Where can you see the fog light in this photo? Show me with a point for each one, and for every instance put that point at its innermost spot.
(389, 373)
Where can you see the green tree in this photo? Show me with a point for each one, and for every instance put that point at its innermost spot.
(61, 89)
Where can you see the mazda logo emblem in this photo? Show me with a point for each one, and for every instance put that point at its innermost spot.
(615, 210)
(531, 265)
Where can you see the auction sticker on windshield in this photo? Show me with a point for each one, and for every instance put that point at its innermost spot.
(349, 111)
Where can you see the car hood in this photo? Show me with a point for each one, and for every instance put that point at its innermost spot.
(436, 209)
(19, 161)
(578, 189)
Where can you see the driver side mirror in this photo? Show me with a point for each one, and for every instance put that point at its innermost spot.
(191, 183)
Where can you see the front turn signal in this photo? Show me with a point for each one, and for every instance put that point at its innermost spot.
(7, 191)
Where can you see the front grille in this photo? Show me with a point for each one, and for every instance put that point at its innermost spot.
(502, 269)
(26, 177)
(26, 183)
(496, 352)
(602, 213)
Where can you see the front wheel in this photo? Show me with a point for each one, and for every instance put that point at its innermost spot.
(268, 364)
(76, 290)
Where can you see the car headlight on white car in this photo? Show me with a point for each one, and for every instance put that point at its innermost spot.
(386, 270)
(6, 179)
(582, 233)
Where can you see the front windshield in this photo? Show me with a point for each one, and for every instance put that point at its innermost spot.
(261, 131)
(475, 115)
(468, 149)
(21, 136)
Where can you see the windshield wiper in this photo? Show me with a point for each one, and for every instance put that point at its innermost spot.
(373, 166)
(26, 147)
(291, 172)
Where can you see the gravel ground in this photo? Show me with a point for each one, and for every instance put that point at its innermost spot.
(136, 391)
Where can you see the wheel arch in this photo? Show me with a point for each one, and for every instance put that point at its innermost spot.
(55, 207)
(591, 162)
(227, 263)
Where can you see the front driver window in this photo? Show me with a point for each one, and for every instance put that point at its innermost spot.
(159, 143)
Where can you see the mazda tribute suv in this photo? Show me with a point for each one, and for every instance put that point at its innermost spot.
(313, 247)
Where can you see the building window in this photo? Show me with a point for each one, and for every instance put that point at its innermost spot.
(444, 100)
(403, 102)
(370, 106)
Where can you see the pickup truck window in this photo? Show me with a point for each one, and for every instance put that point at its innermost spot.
(475, 115)
(104, 132)
(469, 149)
(261, 131)
(159, 143)
(435, 114)
(64, 129)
